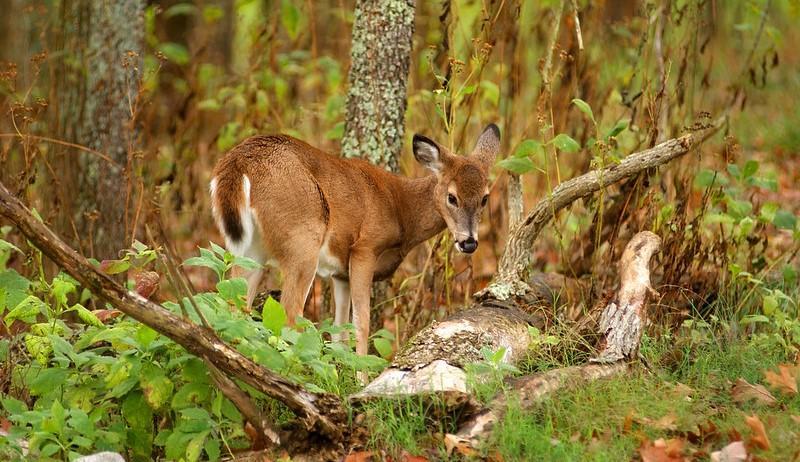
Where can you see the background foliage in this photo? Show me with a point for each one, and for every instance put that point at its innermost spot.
(75, 378)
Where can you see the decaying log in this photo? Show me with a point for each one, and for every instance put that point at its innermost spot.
(321, 412)
(433, 360)
(516, 259)
(620, 325)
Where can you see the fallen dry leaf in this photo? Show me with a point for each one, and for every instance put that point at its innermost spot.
(406, 457)
(734, 452)
(796, 418)
(146, 283)
(458, 444)
(744, 391)
(106, 315)
(786, 381)
(664, 423)
(361, 456)
(759, 438)
(662, 451)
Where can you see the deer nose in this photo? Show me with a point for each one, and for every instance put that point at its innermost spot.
(468, 245)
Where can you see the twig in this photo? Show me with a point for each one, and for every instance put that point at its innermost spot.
(578, 34)
(242, 401)
(63, 143)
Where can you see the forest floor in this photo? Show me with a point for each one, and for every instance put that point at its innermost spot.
(697, 395)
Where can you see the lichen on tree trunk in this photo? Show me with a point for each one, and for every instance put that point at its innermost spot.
(98, 95)
(376, 98)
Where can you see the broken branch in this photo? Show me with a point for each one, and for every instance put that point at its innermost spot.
(516, 260)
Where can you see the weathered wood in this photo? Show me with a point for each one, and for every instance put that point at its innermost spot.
(623, 318)
(620, 325)
(433, 360)
(516, 260)
(321, 412)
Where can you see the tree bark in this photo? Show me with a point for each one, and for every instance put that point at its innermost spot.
(98, 96)
(376, 98)
(321, 412)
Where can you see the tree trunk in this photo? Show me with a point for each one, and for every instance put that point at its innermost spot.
(376, 99)
(98, 97)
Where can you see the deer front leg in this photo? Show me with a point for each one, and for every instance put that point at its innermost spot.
(362, 268)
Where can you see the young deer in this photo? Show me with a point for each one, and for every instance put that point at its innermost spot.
(275, 198)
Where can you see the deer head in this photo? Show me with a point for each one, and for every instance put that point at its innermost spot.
(462, 189)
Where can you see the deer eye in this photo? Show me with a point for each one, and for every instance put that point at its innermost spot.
(451, 199)
(484, 200)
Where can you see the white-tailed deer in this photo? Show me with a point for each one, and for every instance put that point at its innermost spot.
(275, 198)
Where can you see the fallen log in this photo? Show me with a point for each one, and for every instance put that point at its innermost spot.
(434, 360)
(322, 412)
(621, 327)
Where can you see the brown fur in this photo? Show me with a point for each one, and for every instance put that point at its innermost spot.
(313, 210)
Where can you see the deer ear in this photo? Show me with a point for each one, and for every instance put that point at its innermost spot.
(487, 147)
(427, 153)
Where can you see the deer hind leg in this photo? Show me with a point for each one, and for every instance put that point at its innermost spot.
(298, 278)
(341, 298)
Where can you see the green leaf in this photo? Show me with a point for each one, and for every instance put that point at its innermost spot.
(175, 52)
(768, 304)
(490, 92)
(528, 148)
(191, 394)
(273, 316)
(335, 133)
(308, 346)
(180, 9)
(115, 266)
(617, 129)
(157, 389)
(564, 143)
(136, 412)
(784, 220)
(269, 357)
(195, 446)
(48, 380)
(768, 211)
(13, 406)
(585, 108)
(706, 178)
(738, 209)
(750, 168)
(5, 252)
(86, 316)
(209, 104)
(290, 18)
(26, 310)
(234, 291)
(212, 449)
(734, 171)
(383, 346)
(14, 286)
(517, 165)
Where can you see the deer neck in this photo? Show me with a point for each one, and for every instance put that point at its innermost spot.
(418, 215)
